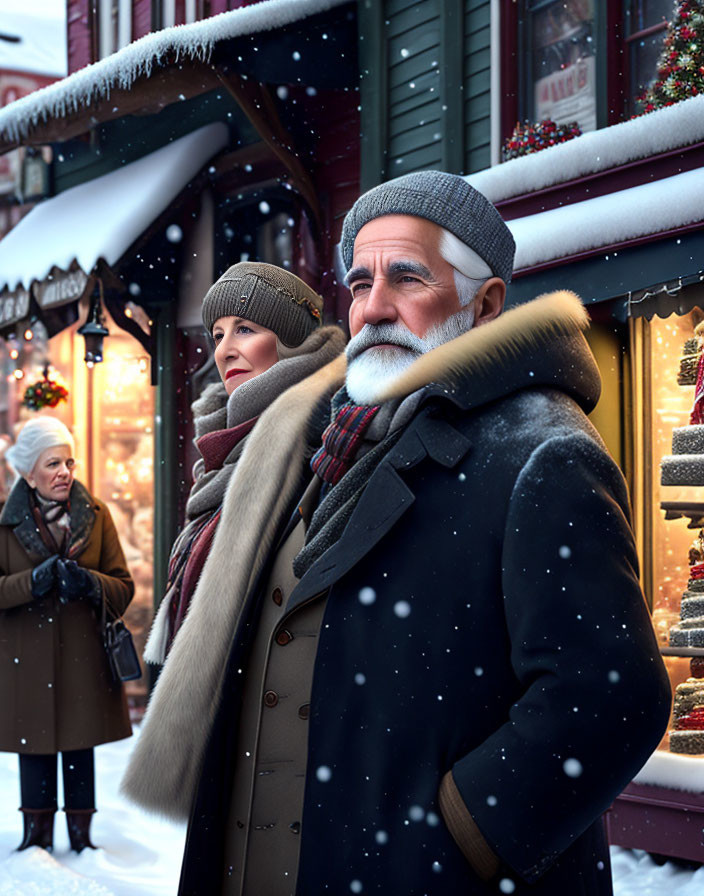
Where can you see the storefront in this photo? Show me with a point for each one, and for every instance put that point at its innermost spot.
(110, 411)
(616, 215)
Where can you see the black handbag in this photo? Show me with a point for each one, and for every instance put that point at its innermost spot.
(119, 646)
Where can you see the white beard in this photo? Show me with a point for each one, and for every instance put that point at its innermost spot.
(370, 367)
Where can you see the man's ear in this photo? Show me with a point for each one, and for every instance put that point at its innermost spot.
(489, 301)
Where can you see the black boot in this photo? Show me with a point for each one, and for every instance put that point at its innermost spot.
(38, 828)
(78, 823)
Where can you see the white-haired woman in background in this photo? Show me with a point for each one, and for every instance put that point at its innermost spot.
(60, 559)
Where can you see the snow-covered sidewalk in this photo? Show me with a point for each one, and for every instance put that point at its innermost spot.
(141, 854)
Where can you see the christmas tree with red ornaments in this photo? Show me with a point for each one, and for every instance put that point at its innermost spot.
(681, 64)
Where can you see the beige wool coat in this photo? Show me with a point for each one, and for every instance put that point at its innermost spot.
(56, 688)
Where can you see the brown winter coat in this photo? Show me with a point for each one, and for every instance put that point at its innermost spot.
(56, 689)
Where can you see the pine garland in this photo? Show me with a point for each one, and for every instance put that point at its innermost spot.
(680, 72)
(527, 138)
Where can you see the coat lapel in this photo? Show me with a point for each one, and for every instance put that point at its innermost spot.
(17, 514)
(384, 501)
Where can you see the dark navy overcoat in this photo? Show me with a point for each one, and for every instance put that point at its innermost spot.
(501, 635)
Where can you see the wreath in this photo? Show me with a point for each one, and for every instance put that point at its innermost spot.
(45, 393)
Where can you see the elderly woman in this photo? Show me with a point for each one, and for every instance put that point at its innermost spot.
(266, 326)
(60, 561)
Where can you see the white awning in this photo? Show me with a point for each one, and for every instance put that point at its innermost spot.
(101, 218)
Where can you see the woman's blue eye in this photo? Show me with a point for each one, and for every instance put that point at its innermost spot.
(243, 328)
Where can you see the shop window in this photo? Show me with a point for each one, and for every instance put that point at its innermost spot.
(645, 27)
(558, 40)
(669, 518)
(579, 60)
(110, 411)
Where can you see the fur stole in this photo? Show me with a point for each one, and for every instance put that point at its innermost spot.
(163, 772)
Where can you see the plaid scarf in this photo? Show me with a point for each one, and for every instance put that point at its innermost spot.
(341, 440)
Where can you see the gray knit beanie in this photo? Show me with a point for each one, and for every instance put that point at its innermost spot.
(267, 295)
(445, 199)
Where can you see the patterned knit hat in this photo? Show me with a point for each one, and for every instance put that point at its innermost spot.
(447, 200)
(267, 295)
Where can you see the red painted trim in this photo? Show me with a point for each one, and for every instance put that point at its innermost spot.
(646, 32)
(606, 250)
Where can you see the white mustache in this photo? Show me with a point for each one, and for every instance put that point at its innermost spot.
(383, 334)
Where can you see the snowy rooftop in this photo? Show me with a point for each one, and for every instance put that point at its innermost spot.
(122, 69)
(38, 37)
(612, 220)
(101, 218)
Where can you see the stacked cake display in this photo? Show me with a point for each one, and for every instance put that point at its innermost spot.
(687, 735)
(689, 631)
(689, 363)
(685, 467)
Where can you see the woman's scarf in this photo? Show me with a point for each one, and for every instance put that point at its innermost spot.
(215, 412)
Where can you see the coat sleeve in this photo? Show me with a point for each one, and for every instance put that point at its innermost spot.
(595, 696)
(15, 589)
(112, 573)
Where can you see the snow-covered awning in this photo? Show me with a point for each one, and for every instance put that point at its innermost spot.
(610, 221)
(175, 63)
(101, 218)
(657, 133)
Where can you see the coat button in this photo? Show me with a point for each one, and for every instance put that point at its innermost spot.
(271, 698)
(277, 596)
(284, 637)
(304, 711)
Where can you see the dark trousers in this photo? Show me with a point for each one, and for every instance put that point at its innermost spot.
(38, 780)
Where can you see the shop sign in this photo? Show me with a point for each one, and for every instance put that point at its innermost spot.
(569, 95)
(13, 306)
(60, 288)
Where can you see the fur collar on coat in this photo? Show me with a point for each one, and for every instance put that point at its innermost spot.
(503, 355)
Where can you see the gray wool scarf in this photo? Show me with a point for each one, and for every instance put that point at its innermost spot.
(334, 511)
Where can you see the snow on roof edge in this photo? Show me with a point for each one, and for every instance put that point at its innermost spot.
(661, 131)
(100, 218)
(603, 221)
(122, 69)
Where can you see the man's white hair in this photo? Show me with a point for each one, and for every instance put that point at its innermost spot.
(471, 271)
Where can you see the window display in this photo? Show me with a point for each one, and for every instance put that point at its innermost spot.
(563, 62)
(678, 533)
(110, 411)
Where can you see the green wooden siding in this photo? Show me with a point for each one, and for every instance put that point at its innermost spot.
(425, 83)
(413, 47)
(477, 85)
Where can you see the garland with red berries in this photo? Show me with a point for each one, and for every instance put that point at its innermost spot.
(527, 138)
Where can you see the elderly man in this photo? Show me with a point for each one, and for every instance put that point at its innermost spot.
(443, 670)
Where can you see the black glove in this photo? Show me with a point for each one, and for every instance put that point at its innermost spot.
(75, 582)
(44, 576)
